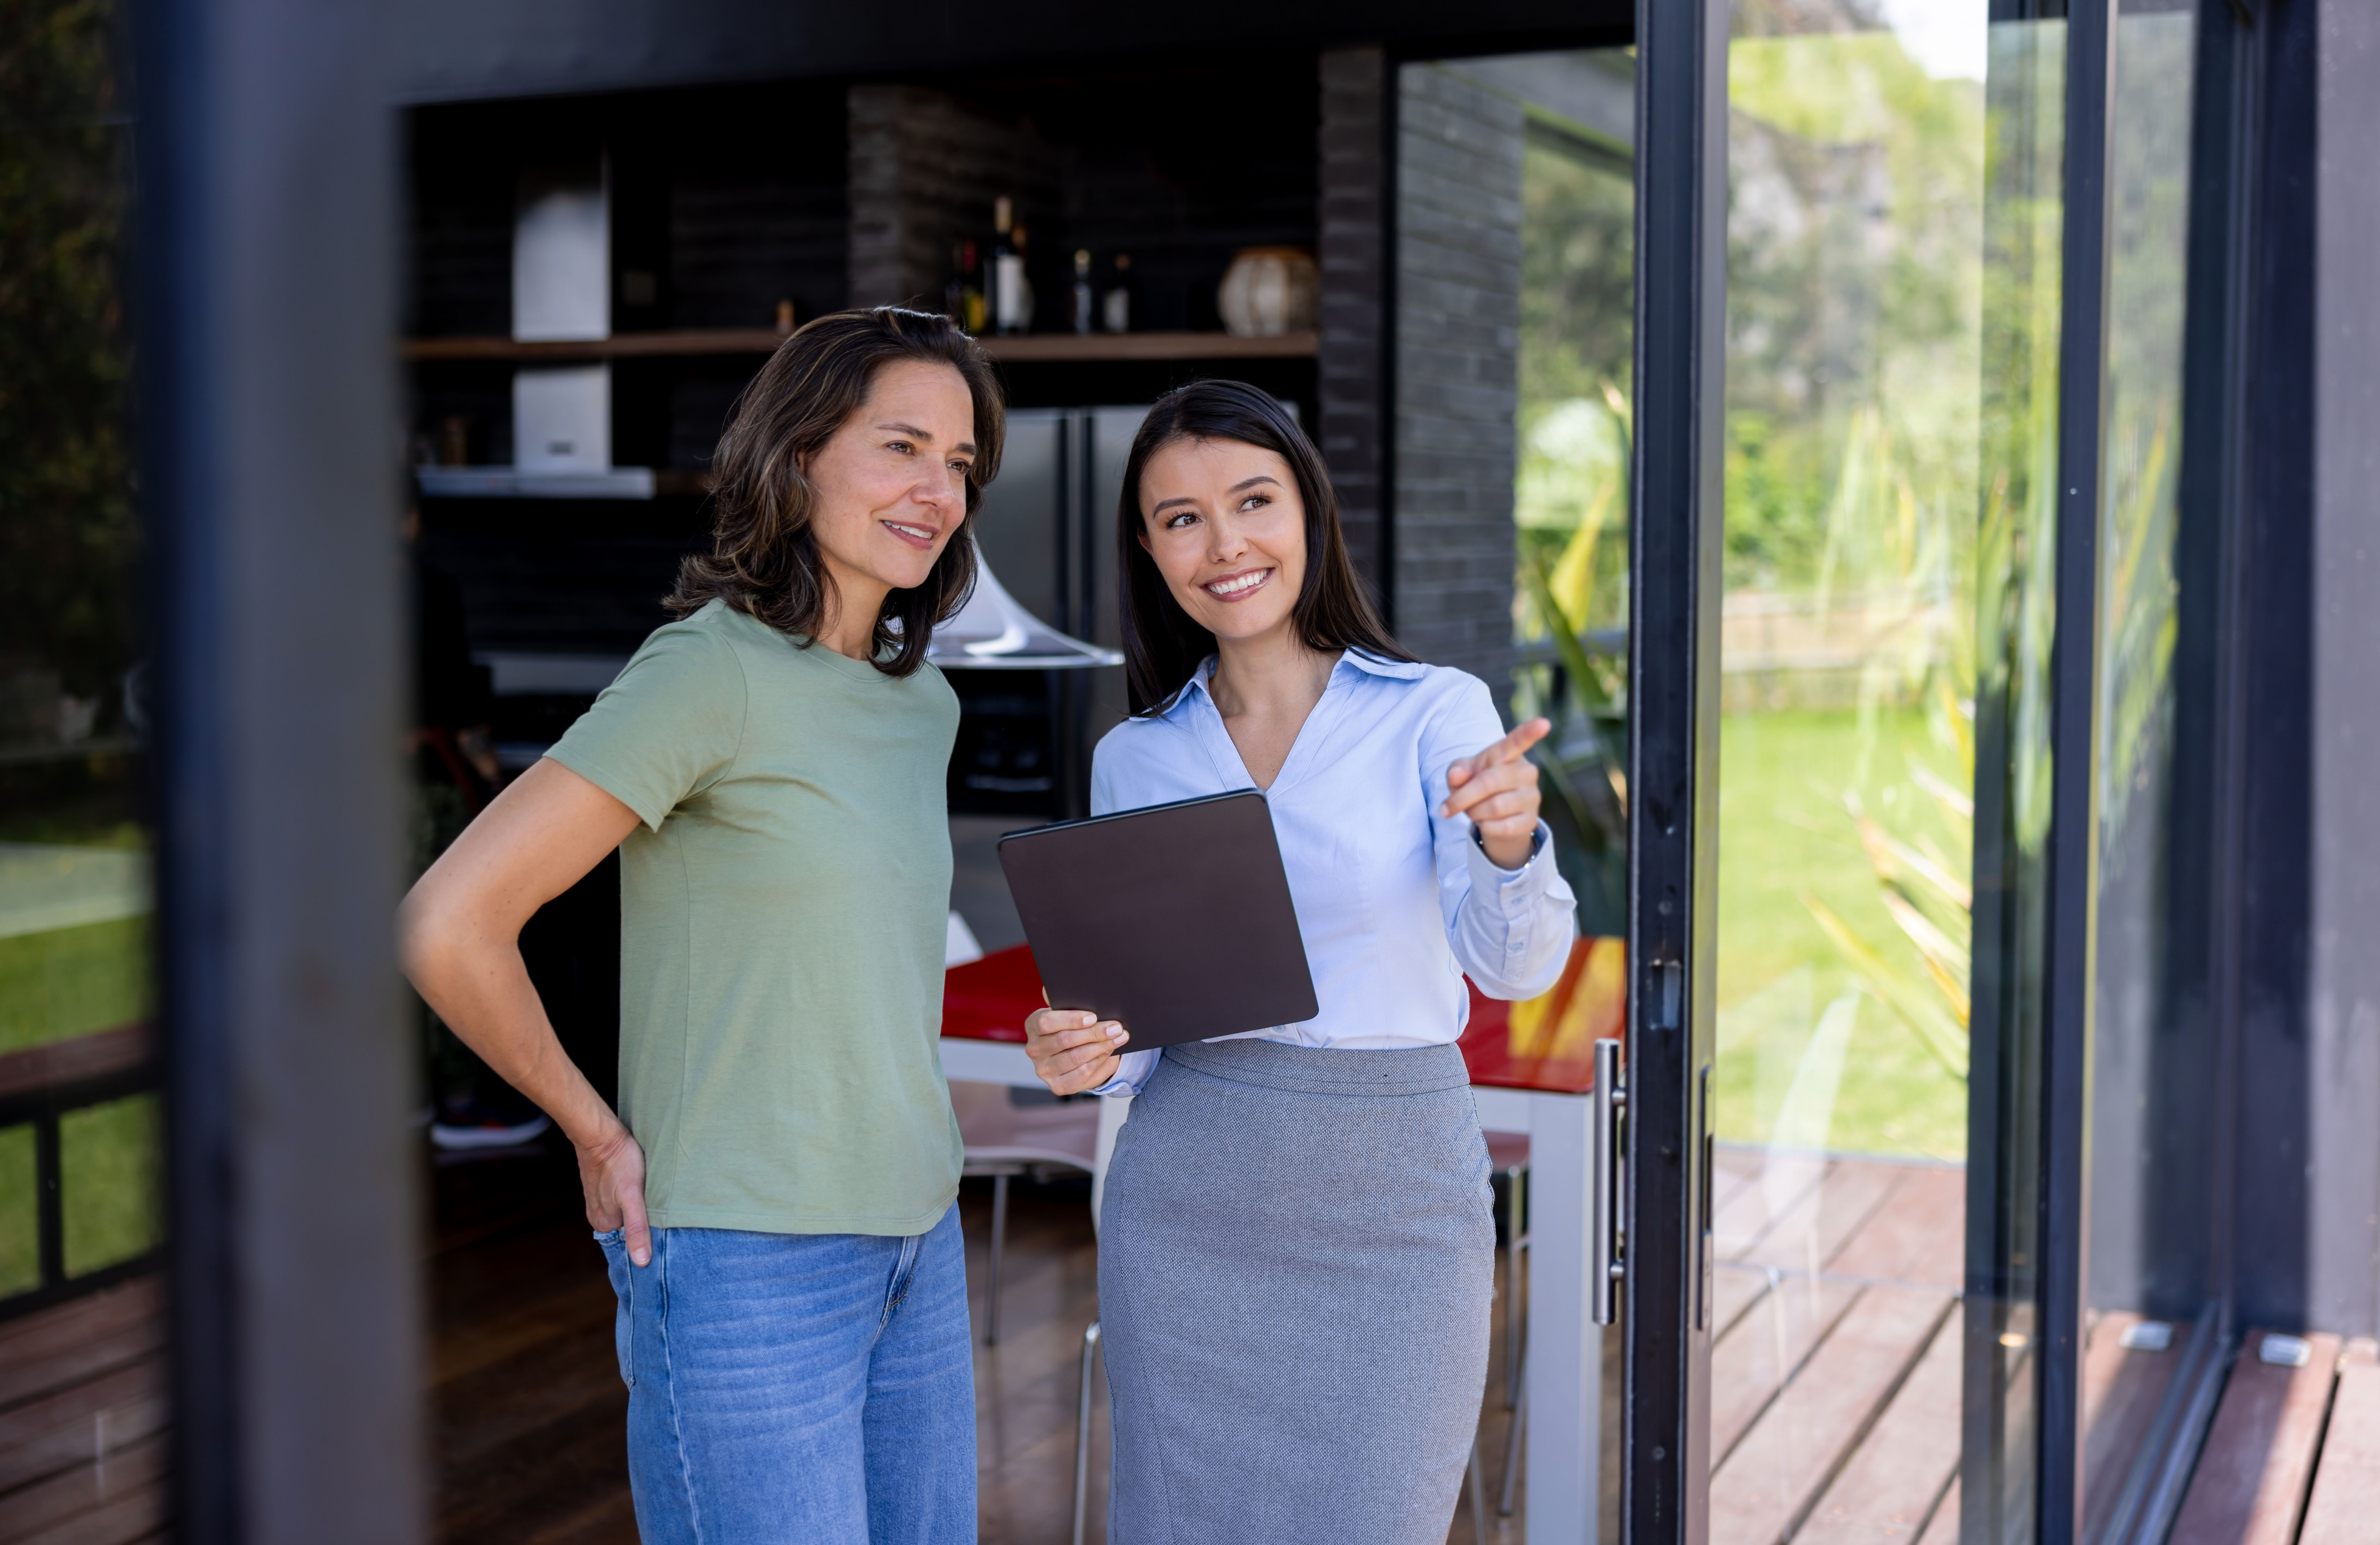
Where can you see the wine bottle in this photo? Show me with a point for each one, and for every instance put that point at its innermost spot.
(1012, 293)
(1115, 307)
(964, 296)
(1081, 290)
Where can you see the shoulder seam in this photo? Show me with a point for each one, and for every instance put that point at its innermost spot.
(744, 682)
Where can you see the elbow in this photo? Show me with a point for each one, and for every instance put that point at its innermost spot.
(432, 934)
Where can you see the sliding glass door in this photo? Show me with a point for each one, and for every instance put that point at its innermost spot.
(1921, 1238)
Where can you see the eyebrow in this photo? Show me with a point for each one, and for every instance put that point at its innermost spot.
(1245, 484)
(914, 432)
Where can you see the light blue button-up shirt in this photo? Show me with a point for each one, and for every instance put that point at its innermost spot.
(1395, 903)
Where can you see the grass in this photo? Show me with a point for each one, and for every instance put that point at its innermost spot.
(1788, 1071)
(74, 980)
(66, 982)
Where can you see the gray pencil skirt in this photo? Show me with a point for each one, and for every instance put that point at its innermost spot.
(1297, 1256)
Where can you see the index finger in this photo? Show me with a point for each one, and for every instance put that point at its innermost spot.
(1512, 747)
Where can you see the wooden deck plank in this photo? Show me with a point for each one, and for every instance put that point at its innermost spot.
(2121, 1389)
(1808, 1235)
(84, 1502)
(1889, 1489)
(1758, 1354)
(66, 1428)
(2344, 1507)
(54, 1349)
(130, 1517)
(1733, 1290)
(1776, 1471)
(1739, 1223)
(1921, 1238)
(1943, 1529)
(2251, 1479)
(1734, 1167)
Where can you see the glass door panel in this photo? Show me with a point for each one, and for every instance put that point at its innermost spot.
(82, 1214)
(1893, 308)
(2151, 1320)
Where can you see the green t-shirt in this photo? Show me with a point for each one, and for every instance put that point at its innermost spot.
(782, 922)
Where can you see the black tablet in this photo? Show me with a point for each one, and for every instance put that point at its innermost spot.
(1174, 920)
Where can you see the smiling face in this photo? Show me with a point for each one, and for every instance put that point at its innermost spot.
(891, 486)
(1226, 527)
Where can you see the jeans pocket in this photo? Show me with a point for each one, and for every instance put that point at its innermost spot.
(623, 1288)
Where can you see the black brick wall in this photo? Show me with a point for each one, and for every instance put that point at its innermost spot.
(1458, 290)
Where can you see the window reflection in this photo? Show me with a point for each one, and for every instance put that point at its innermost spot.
(1860, 287)
(81, 1211)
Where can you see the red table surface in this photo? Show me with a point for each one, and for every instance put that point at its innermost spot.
(1547, 1043)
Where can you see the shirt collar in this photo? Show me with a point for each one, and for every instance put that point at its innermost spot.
(1200, 684)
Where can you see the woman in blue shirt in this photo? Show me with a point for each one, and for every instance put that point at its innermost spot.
(1296, 1252)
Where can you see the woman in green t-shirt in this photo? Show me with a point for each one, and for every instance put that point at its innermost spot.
(776, 1194)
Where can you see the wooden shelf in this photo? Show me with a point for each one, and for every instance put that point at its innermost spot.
(1021, 348)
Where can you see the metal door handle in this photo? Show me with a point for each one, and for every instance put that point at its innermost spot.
(1604, 1267)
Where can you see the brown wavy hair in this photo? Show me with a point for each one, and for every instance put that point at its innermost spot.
(764, 558)
(1163, 647)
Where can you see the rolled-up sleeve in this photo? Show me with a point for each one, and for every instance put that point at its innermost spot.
(1511, 930)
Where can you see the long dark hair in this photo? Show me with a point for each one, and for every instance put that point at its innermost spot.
(1162, 645)
(764, 557)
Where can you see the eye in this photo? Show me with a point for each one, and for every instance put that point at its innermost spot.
(1255, 502)
(962, 468)
(902, 447)
(1178, 519)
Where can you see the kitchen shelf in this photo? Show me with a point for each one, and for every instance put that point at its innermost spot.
(1019, 348)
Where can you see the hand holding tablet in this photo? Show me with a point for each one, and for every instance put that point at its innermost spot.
(1173, 922)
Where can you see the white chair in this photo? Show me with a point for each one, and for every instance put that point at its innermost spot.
(1008, 1133)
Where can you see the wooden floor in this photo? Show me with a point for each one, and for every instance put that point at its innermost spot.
(1835, 1362)
(1835, 1380)
(529, 1415)
(82, 1418)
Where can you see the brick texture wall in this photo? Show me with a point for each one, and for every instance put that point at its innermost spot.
(1353, 255)
(1458, 303)
(925, 167)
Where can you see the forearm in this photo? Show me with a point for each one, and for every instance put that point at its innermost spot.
(475, 979)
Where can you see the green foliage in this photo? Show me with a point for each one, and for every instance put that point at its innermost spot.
(1854, 283)
(67, 534)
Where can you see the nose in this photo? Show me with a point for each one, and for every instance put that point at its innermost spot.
(946, 494)
(1223, 540)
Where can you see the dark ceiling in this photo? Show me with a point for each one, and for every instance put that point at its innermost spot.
(458, 50)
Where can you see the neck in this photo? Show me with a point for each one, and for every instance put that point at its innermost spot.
(1272, 672)
(847, 617)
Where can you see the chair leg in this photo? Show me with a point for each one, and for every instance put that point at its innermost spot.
(999, 1242)
(1512, 1443)
(1514, 1179)
(1478, 1494)
(1083, 1431)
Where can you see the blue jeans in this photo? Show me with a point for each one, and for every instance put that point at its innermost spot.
(810, 1387)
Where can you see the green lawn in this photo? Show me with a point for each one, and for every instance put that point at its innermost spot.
(65, 982)
(1790, 1070)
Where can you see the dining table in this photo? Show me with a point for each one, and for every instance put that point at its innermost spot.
(1531, 1067)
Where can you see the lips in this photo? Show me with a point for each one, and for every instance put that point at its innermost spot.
(1238, 586)
(919, 537)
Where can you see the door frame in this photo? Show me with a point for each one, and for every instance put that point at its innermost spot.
(1673, 684)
